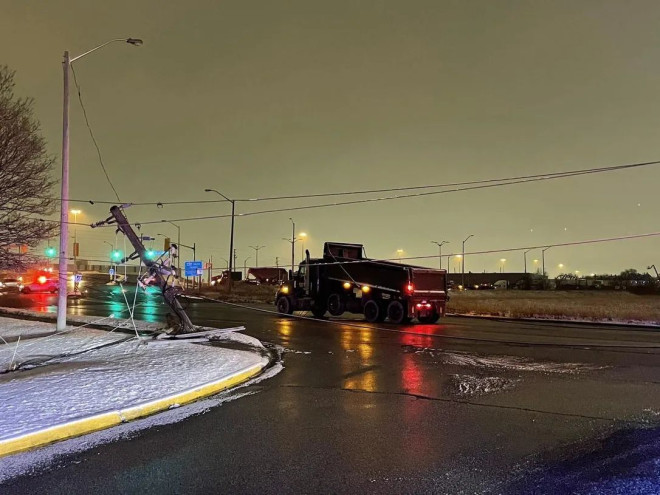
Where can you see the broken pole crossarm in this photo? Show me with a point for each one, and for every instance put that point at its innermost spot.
(155, 270)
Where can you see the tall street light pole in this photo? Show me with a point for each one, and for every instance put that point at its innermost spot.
(525, 258)
(543, 259)
(463, 261)
(256, 254)
(231, 237)
(64, 193)
(293, 242)
(440, 252)
(543, 263)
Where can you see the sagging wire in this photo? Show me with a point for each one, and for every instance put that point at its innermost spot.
(91, 133)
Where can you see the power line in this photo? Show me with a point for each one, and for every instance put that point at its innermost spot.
(91, 133)
(474, 253)
(550, 175)
(361, 201)
(504, 181)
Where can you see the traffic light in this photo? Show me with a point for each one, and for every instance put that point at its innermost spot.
(51, 252)
(116, 255)
(150, 254)
(166, 244)
(76, 249)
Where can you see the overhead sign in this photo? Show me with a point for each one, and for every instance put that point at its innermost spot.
(194, 268)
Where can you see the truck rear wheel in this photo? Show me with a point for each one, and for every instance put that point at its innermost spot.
(284, 305)
(432, 318)
(373, 313)
(336, 306)
(396, 312)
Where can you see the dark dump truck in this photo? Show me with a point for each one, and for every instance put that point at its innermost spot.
(345, 280)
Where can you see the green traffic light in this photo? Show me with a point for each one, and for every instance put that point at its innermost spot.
(51, 252)
(116, 255)
(150, 254)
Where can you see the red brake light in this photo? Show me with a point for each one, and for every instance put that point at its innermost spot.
(410, 288)
(42, 279)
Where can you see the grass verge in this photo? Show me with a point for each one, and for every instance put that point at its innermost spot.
(587, 305)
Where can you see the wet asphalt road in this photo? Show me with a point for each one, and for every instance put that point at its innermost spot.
(464, 406)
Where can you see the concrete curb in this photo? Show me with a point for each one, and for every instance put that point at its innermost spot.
(108, 419)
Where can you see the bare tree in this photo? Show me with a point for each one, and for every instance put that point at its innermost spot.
(25, 179)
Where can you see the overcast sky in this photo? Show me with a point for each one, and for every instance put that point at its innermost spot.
(263, 98)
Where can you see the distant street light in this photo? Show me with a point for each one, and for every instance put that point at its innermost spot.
(256, 254)
(231, 238)
(463, 261)
(525, 258)
(399, 252)
(440, 244)
(64, 191)
(543, 258)
(293, 242)
(75, 214)
(502, 261)
(303, 236)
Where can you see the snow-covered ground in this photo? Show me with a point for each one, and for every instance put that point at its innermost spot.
(82, 372)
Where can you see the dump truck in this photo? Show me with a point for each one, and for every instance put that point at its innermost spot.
(345, 280)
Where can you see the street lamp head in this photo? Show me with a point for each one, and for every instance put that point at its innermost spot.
(75, 212)
(135, 41)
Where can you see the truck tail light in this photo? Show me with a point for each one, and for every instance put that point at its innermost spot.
(42, 279)
(410, 288)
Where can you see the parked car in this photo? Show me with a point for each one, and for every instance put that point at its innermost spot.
(41, 284)
(10, 285)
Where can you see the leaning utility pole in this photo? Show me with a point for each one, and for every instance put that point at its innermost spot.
(156, 271)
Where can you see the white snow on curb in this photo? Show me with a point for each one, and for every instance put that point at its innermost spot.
(83, 379)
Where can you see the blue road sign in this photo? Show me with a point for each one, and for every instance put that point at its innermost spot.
(194, 268)
(111, 272)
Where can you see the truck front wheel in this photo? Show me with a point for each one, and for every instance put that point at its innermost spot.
(284, 305)
(317, 311)
(373, 313)
(336, 306)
